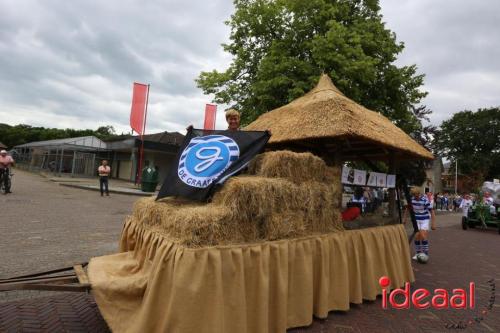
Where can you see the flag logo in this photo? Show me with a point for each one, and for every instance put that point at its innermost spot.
(205, 158)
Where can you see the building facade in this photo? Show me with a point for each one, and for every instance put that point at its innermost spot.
(80, 157)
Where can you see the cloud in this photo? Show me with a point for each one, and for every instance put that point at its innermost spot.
(455, 44)
(69, 64)
(72, 63)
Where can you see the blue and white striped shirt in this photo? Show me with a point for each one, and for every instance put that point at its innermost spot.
(421, 208)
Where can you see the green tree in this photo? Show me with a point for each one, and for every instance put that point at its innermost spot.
(472, 139)
(105, 132)
(19, 134)
(281, 47)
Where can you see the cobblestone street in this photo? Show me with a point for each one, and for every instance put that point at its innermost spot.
(457, 257)
(45, 226)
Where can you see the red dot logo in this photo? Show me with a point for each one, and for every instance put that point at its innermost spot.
(384, 282)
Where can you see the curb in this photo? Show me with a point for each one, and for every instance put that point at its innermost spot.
(89, 188)
(69, 180)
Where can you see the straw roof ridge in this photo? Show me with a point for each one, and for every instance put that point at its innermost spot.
(326, 113)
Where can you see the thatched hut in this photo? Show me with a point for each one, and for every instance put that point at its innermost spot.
(334, 127)
(328, 123)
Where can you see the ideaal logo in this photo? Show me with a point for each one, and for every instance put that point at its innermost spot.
(205, 158)
(423, 299)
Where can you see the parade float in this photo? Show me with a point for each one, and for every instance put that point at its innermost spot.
(269, 251)
(486, 211)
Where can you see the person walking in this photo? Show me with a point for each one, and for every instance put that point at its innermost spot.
(439, 201)
(466, 204)
(424, 214)
(445, 202)
(104, 171)
(456, 203)
(6, 162)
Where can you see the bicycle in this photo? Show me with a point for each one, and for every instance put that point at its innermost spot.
(9, 175)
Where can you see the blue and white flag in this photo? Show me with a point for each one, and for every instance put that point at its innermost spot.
(207, 158)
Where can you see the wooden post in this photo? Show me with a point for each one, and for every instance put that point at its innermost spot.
(337, 163)
(334, 160)
(393, 212)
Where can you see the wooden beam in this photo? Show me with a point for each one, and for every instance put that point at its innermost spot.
(363, 148)
(48, 287)
(80, 273)
(37, 278)
(64, 269)
(25, 285)
(364, 154)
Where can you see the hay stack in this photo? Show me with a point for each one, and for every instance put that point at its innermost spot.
(297, 167)
(284, 195)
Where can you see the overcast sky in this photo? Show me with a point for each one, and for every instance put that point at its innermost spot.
(72, 63)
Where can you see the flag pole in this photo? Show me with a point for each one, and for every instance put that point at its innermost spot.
(139, 173)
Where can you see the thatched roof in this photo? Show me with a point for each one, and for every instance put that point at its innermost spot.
(325, 120)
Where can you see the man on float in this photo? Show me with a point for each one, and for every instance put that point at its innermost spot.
(233, 120)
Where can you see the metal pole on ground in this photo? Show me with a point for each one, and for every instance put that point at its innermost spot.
(61, 162)
(73, 164)
(139, 172)
(92, 173)
(456, 176)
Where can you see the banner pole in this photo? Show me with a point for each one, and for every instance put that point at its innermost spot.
(141, 158)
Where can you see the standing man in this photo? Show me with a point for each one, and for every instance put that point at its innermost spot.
(439, 201)
(5, 162)
(430, 197)
(489, 201)
(104, 171)
(465, 205)
(423, 214)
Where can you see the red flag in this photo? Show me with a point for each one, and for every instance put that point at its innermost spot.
(139, 106)
(210, 112)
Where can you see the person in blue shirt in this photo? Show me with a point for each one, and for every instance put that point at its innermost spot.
(359, 198)
(424, 214)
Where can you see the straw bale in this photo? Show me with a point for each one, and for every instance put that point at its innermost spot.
(246, 209)
(192, 223)
(258, 197)
(297, 167)
(285, 195)
(325, 113)
(284, 225)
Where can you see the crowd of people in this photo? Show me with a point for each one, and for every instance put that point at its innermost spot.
(448, 202)
(460, 202)
(369, 198)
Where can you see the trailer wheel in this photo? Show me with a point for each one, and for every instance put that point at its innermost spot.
(464, 223)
